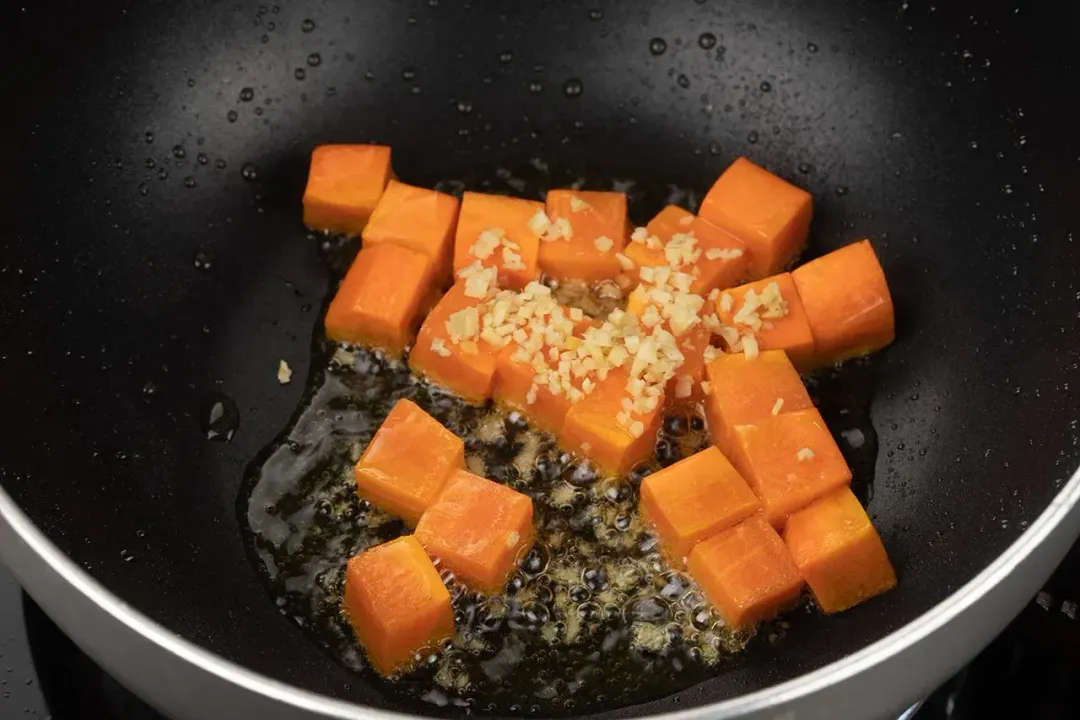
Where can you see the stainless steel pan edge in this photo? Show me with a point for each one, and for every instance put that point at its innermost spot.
(188, 683)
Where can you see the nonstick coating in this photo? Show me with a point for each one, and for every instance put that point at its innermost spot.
(946, 134)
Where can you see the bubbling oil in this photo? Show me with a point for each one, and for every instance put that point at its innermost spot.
(593, 618)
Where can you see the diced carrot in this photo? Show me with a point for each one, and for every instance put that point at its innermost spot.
(419, 219)
(747, 573)
(591, 428)
(344, 184)
(839, 552)
(721, 260)
(597, 224)
(513, 384)
(847, 303)
(397, 478)
(507, 220)
(692, 344)
(467, 368)
(790, 460)
(748, 391)
(397, 604)
(479, 529)
(693, 499)
(770, 215)
(381, 299)
(782, 328)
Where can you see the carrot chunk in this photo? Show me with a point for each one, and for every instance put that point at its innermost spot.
(515, 388)
(747, 573)
(770, 215)
(499, 232)
(839, 552)
(770, 311)
(479, 529)
(748, 391)
(344, 184)
(588, 229)
(419, 219)
(591, 427)
(847, 303)
(465, 366)
(790, 460)
(397, 604)
(408, 461)
(715, 257)
(693, 499)
(380, 301)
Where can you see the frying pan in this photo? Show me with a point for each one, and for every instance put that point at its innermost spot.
(154, 261)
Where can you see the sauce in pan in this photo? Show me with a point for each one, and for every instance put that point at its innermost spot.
(594, 618)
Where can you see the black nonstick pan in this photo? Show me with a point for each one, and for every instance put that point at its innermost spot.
(154, 271)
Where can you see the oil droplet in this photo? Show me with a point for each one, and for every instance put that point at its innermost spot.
(596, 15)
(247, 94)
(684, 82)
(714, 148)
(841, 190)
(657, 46)
(232, 116)
(307, 25)
(805, 168)
(314, 60)
(299, 73)
(369, 76)
(707, 41)
(191, 82)
(464, 107)
(150, 164)
(149, 389)
(264, 39)
(573, 88)
(202, 158)
(220, 417)
(179, 152)
(506, 57)
(143, 190)
(189, 182)
(766, 86)
(220, 164)
(811, 47)
(202, 261)
(752, 138)
(249, 172)
(149, 137)
(536, 86)
(126, 557)
(408, 74)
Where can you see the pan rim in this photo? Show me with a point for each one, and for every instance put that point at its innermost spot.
(861, 682)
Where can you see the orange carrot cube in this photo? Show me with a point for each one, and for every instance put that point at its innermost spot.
(790, 460)
(479, 529)
(514, 387)
(721, 257)
(839, 552)
(397, 604)
(597, 225)
(747, 573)
(380, 301)
(748, 391)
(397, 478)
(773, 315)
(466, 367)
(694, 499)
(770, 215)
(419, 219)
(502, 232)
(591, 427)
(847, 303)
(344, 184)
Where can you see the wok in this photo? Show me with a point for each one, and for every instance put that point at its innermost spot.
(154, 261)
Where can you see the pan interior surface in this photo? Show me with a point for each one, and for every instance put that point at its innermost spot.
(155, 267)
